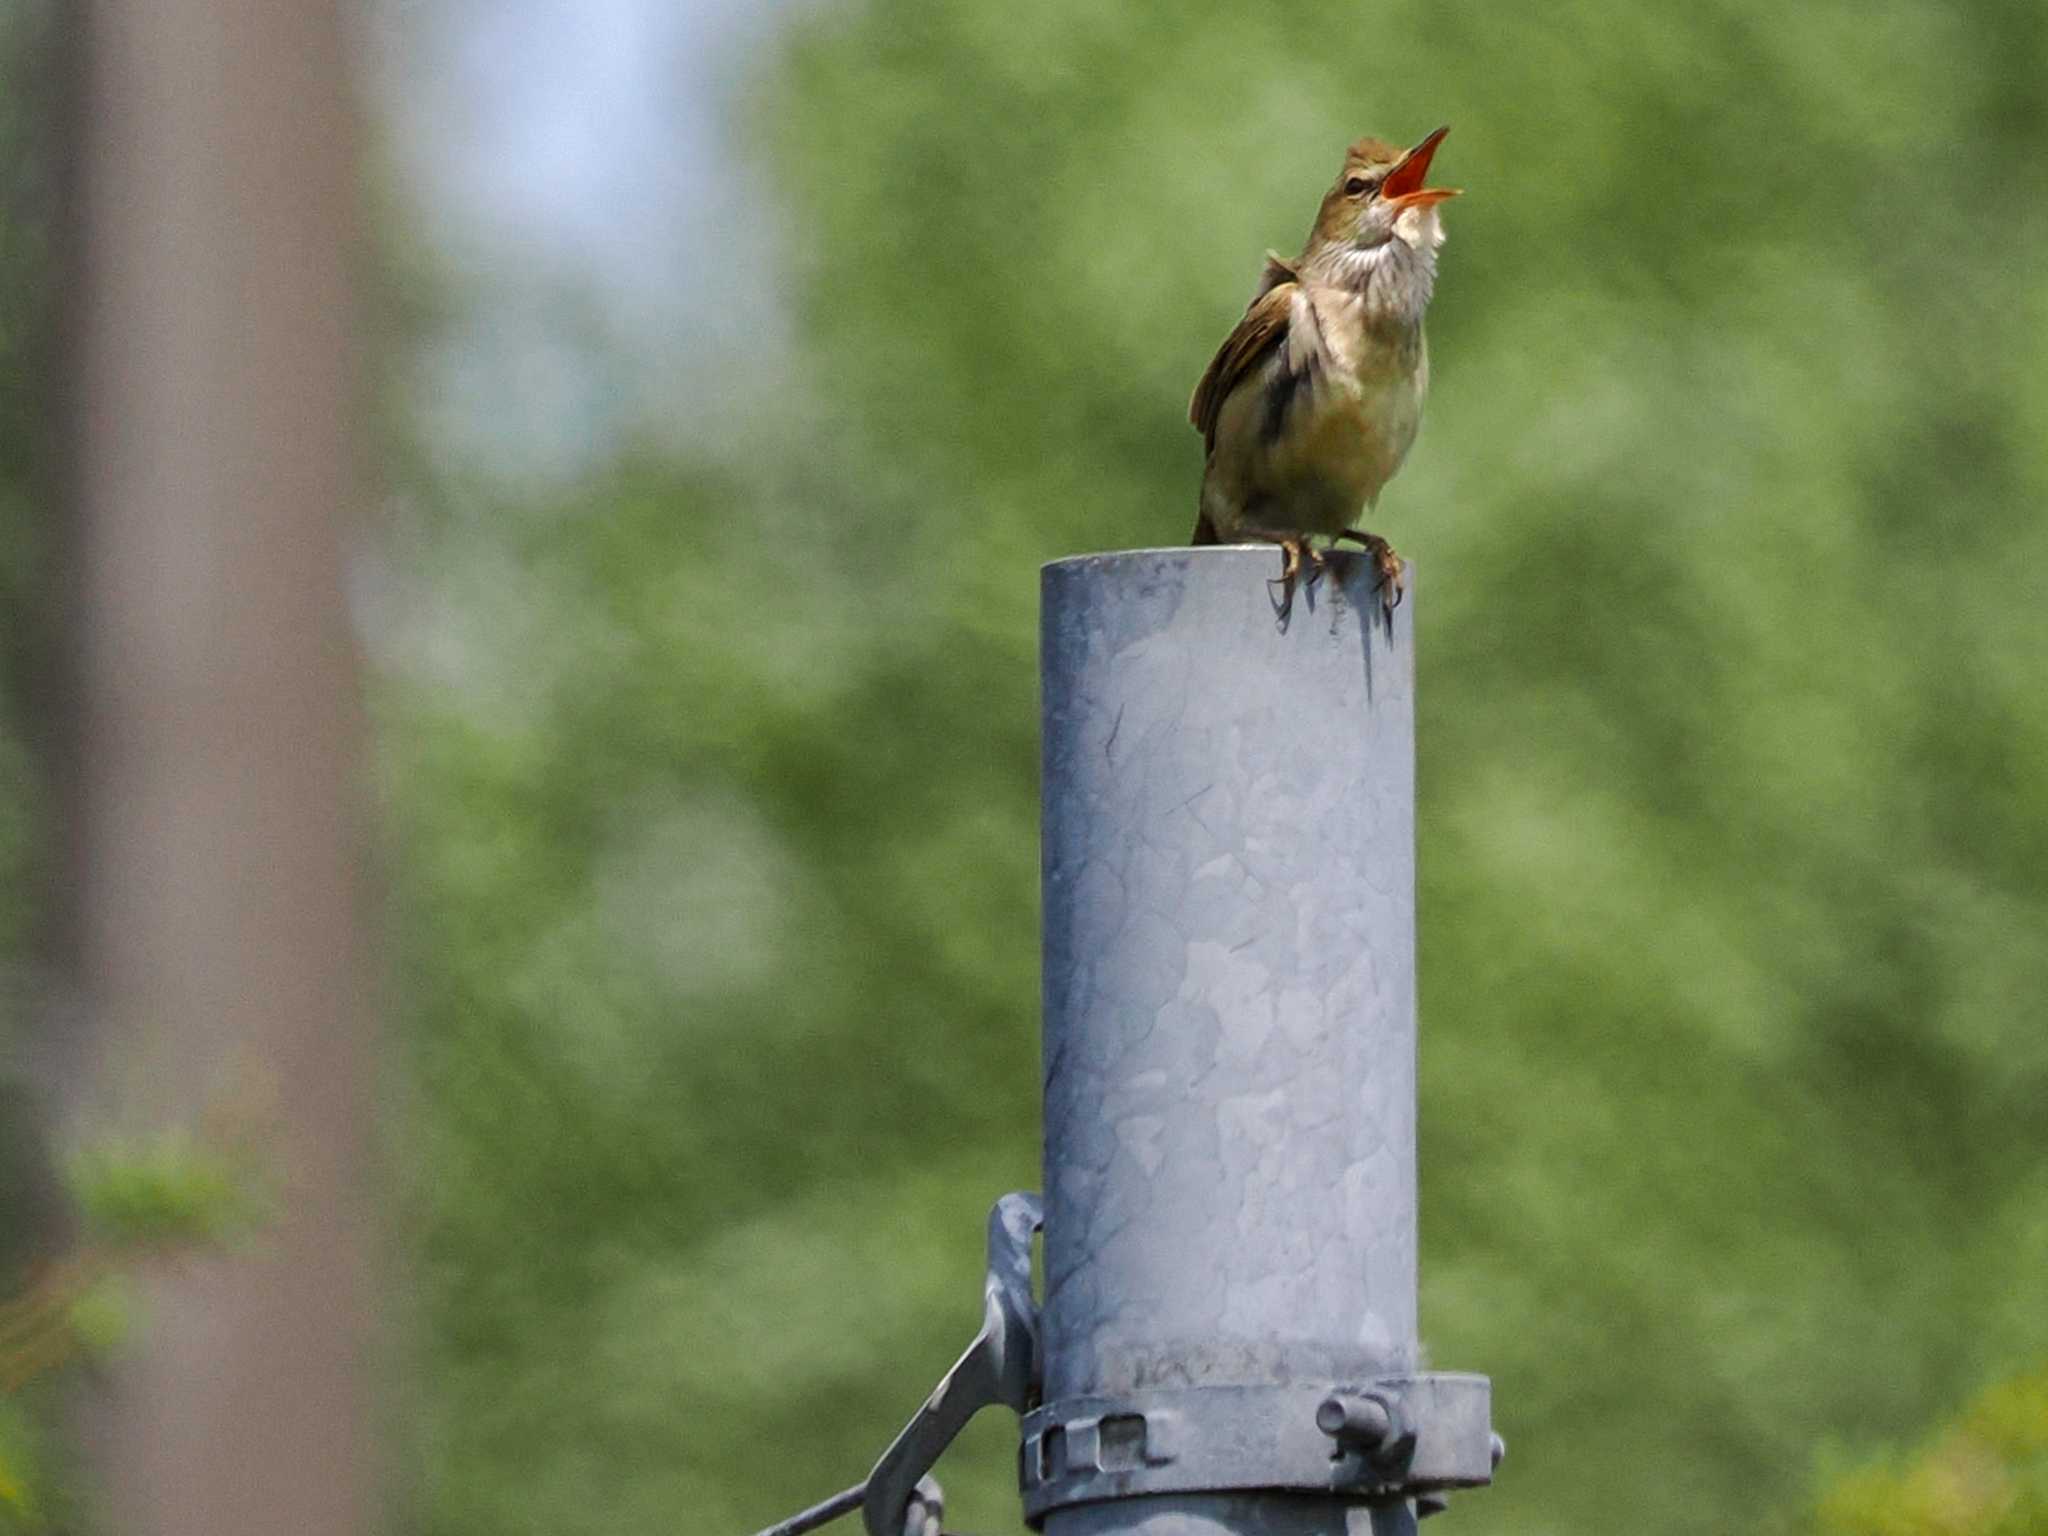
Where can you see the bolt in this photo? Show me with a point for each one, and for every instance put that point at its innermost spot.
(1365, 1423)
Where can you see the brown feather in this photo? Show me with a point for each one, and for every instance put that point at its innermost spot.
(1263, 328)
(1371, 154)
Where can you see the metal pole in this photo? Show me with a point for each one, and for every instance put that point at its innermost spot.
(1229, 894)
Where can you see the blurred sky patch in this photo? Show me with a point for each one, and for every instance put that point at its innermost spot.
(568, 164)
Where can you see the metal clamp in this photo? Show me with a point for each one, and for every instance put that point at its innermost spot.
(1000, 1366)
(1394, 1437)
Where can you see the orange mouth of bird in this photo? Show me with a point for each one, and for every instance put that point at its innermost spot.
(1403, 188)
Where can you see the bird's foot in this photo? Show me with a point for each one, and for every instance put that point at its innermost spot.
(1295, 553)
(1393, 573)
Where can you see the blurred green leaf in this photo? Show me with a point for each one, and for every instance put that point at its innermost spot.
(22, 1457)
(103, 1315)
(1986, 1475)
(175, 1191)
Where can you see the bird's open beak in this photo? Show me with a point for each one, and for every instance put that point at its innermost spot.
(1403, 187)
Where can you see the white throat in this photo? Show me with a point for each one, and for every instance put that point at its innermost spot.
(1396, 277)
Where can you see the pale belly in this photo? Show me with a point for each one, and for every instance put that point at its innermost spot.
(1325, 460)
(1346, 445)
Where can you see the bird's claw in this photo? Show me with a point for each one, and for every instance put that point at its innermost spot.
(1295, 552)
(1393, 570)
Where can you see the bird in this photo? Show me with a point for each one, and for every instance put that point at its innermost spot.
(1313, 401)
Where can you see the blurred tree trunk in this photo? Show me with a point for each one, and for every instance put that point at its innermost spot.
(216, 827)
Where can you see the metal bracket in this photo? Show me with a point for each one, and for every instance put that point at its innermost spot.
(1000, 1366)
(1394, 1437)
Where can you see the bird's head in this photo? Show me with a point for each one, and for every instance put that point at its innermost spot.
(1378, 197)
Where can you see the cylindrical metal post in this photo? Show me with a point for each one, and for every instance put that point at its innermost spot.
(1229, 879)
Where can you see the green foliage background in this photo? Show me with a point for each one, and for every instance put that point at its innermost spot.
(715, 827)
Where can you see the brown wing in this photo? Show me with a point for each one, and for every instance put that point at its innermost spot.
(1263, 328)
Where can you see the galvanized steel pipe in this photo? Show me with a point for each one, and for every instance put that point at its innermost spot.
(1229, 902)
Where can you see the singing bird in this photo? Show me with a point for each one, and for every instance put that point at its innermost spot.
(1312, 402)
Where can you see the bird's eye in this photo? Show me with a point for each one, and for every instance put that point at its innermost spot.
(1358, 186)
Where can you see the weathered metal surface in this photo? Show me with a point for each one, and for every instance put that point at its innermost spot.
(1433, 1432)
(1229, 878)
(1234, 1514)
(1229, 897)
